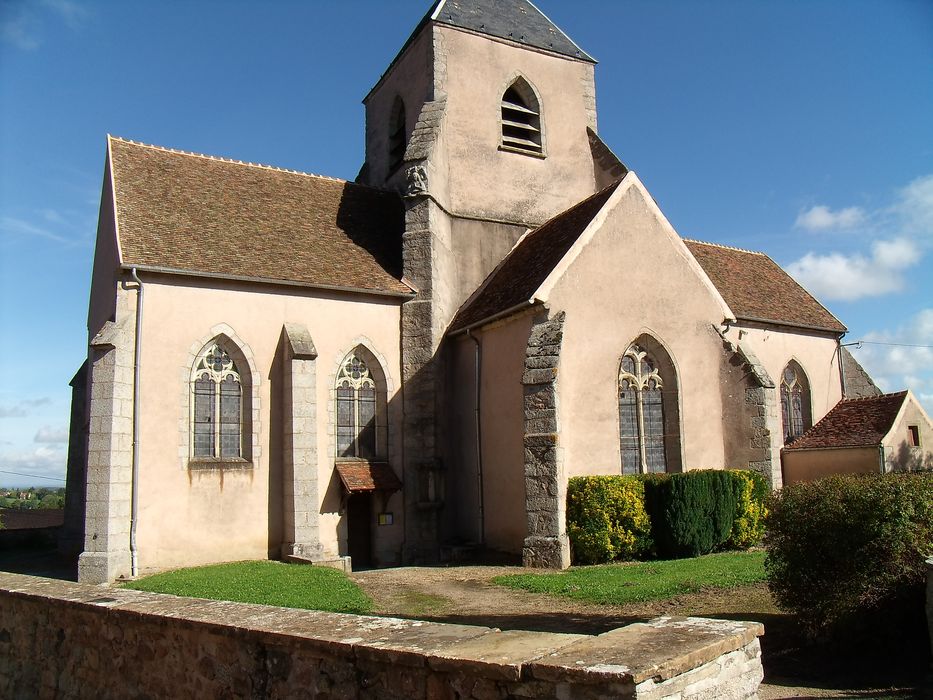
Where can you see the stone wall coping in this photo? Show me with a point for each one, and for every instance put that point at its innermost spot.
(660, 649)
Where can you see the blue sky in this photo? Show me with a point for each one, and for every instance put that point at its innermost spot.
(802, 129)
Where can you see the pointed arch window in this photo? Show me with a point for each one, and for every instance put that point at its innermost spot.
(521, 119)
(795, 402)
(397, 135)
(217, 414)
(361, 408)
(649, 415)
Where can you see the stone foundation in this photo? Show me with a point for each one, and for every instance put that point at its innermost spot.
(68, 640)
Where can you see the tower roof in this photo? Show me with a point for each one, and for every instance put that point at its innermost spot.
(514, 20)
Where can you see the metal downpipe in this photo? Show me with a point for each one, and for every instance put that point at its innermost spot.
(134, 502)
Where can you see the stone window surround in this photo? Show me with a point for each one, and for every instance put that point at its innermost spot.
(653, 339)
(807, 396)
(222, 333)
(359, 341)
(515, 76)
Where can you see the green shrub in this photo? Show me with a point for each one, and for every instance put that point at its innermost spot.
(751, 493)
(691, 513)
(606, 519)
(847, 552)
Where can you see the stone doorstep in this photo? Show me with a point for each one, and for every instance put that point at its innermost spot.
(660, 649)
(339, 563)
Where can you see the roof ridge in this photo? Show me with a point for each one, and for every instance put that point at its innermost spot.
(235, 161)
(573, 207)
(878, 397)
(725, 247)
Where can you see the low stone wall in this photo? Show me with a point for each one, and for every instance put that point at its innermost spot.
(68, 640)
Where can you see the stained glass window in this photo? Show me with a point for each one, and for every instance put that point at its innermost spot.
(217, 411)
(359, 430)
(641, 413)
(795, 402)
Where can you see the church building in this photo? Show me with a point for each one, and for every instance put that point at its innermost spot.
(381, 372)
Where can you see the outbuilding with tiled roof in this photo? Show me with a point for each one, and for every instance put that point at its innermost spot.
(868, 435)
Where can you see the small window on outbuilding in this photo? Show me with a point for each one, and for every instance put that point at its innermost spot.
(521, 119)
(913, 434)
(397, 135)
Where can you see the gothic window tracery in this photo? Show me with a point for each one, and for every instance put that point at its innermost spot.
(795, 402)
(217, 406)
(360, 408)
(641, 413)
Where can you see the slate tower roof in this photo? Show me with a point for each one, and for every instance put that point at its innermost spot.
(514, 20)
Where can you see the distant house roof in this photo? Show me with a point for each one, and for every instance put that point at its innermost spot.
(757, 289)
(529, 263)
(859, 422)
(33, 519)
(183, 212)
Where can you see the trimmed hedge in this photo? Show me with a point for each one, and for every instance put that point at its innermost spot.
(606, 519)
(618, 517)
(691, 513)
(846, 553)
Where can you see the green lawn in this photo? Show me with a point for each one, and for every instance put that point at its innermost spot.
(637, 582)
(266, 582)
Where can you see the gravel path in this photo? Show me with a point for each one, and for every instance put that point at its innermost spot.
(466, 595)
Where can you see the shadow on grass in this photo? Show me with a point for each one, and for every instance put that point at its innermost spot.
(890, 667)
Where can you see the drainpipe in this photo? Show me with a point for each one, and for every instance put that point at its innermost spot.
(134, 507)
(842, 366)
(477, 365)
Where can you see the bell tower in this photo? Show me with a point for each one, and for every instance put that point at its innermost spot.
(485, 122)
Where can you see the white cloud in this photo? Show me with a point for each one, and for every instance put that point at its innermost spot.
(47, 464)
(822, 218)
(71, 12)
(838, 276)
(915, 206)
(902, 358)
(21, 23)
(51, 435)
(22, 408)
(17, 28)
(19, 227)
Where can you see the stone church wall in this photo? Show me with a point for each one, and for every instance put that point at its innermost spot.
(193, 516)
(502, 356)
(612, 294)
(815, 352)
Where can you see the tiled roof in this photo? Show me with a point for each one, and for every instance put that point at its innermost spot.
(756, 288)
(186, 212)
(530, 262)
(367, 476)
(853, 423)
(34, 519)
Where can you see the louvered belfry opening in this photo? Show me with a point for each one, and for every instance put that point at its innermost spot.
(521, 119)
(397, 135)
